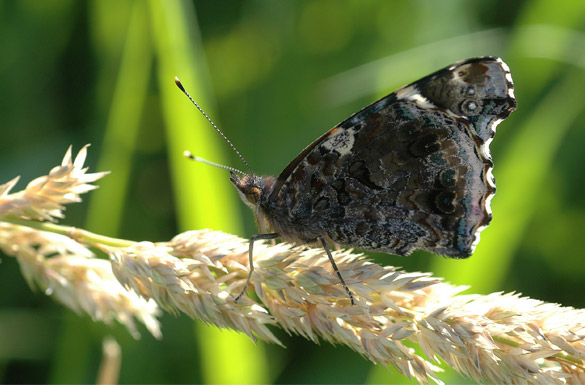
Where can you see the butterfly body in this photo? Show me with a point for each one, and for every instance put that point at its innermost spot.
(410, 171)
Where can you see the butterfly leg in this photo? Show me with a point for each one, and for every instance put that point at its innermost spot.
(349, 293)
(253, 238)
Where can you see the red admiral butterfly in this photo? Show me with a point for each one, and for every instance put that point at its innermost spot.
(410, 171)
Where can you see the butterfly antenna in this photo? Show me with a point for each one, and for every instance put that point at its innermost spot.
(189, 155)
(178, 83)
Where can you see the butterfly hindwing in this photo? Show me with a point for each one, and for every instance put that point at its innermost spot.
(410, 171)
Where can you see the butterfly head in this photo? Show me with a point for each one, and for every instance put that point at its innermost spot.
(249, 187)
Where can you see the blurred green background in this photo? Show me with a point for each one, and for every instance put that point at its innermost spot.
(274, 75)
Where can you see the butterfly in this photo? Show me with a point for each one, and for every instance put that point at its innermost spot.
(411, 171)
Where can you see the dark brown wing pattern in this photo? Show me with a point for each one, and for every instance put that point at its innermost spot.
(410, 171)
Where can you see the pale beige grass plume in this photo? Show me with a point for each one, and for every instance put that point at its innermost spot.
(497, 338)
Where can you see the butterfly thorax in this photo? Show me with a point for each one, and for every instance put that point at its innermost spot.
(255, 192)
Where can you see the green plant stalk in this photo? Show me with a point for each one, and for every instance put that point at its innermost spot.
(82, 236)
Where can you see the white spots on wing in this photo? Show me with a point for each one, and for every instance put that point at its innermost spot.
(488, 207)
(477, 235)
(506, 69)
(494, 124)
(508, 77)
(412, 94)
(422, 101)
(489, 177)
(502, 64)
(492, 127)
(341, 141)
(485, 148)
(488, 210)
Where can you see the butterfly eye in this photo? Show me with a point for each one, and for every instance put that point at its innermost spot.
(253, 194)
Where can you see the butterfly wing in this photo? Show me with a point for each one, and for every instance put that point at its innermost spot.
(410, 171)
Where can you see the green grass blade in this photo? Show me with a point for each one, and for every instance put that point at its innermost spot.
(118, 148)
(123, 124)
(203, 194)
